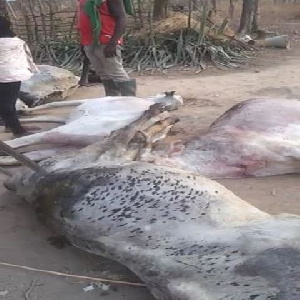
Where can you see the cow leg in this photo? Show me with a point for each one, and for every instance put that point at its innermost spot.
(57, 104)
(43, 119)
(35, 156)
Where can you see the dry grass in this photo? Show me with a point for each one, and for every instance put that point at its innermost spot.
(270, 14)
(179, 21)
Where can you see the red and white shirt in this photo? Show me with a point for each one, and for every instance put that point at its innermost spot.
(108, 25)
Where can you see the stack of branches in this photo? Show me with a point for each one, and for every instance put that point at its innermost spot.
(184, 40)
(63, 53)
(177, 41)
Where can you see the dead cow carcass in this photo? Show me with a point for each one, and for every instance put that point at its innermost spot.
(90, 121)
(50, 84)
(185, 236)
(257, 137)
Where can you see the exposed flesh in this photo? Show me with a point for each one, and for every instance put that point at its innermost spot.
(258, 137)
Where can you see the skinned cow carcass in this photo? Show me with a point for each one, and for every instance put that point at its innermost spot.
(257, 137)
(186, 237)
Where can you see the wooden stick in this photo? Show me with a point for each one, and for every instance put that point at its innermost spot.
(22, 158)
(73, 276)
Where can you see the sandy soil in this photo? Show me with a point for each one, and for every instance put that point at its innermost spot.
(24, 241)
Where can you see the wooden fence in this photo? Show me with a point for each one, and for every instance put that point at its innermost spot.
(44, 27)
(36, 21)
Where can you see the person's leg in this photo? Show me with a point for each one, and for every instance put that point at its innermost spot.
(115, 70)
(83, 81)
(88, 75)
(9, 93)
(112, 71)
(96, 59)
(127, 88)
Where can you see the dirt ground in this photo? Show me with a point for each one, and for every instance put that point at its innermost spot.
(23, 240)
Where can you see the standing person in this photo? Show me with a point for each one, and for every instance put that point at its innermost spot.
(16, 65)
(102, 24)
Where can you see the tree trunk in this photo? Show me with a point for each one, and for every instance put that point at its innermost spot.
(249, 16)
(231, 9)
(194, 5)
(159, 10)
(255, 26)
(214, 6)
(4, 9)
